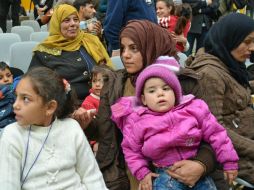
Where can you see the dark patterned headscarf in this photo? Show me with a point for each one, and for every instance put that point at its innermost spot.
(226, 35)
(151, 39)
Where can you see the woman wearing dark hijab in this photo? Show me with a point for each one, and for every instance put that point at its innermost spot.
(224, 83)
(141, 43)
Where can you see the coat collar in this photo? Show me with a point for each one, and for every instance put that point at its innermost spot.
(202, 58)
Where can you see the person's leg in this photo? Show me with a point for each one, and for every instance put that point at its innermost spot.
(15, 8)
(205, 183)
(166, 182)
(191, 39)
(200, 38)
(4, 9)
(35, 13)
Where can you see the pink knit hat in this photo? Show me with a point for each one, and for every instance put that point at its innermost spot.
(165, 68)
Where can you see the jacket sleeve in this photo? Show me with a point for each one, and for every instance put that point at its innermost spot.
(214, 97)
(132, 144)
(88, 104)
(107, 131)
(122, 109)
(216, 136)
(114, 21)
(206, 156)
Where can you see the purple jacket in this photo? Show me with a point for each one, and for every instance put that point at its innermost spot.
(165, 138)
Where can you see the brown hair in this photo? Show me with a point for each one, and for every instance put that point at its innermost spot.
(184, 14)
(103, 69)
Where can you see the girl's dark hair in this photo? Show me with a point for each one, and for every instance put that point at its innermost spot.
(184, 14)
(4, 66)
(49, 85)
(103, 69)
(169, 3)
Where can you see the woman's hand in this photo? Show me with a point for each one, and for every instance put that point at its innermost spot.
(187, 171)
(83, 116)
(146, 183)
(230, 175)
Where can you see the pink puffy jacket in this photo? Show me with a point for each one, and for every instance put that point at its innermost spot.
(165, 138)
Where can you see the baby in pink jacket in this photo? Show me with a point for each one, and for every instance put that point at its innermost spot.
(162, 126)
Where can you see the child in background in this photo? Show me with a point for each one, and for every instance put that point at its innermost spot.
(6, 76)
(165, 8)
(162, 126)
(7, 95)
(176, 18)
(99, 76)
(91, 102)
(45, 149)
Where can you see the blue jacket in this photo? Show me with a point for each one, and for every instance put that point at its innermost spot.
(119, 12)
(7, 99)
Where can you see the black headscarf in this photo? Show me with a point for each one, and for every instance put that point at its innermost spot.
(226, 35)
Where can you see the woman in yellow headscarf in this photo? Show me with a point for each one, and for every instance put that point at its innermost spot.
(69, 51)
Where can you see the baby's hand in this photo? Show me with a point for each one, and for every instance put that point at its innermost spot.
(146, 183)
(230, 175)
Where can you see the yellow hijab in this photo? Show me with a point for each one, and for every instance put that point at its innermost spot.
(56, 42)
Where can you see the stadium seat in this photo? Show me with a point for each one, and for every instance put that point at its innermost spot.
(6, 40)
(34, 24)
(38, 36)
(23, 31)
(21, 54)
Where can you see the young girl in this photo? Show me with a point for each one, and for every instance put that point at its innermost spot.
(45, 149)
(99, 76)
(92, 102)
(161, 126)
(176, 18)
